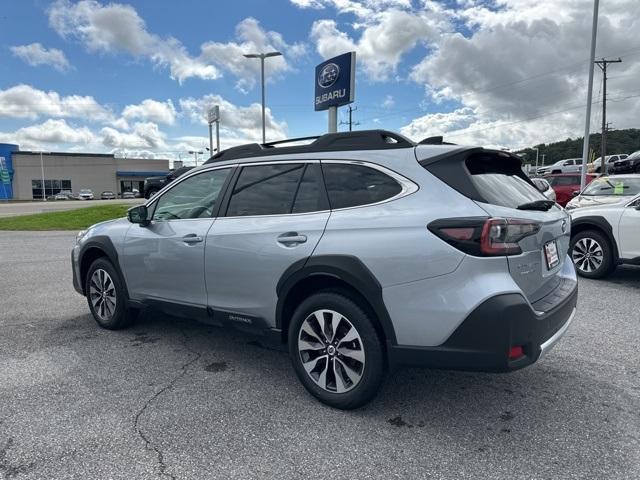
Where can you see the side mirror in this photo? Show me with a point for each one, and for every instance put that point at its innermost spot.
(139, 215)
(575, 193)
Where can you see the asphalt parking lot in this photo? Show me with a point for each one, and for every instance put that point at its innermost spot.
(171, 398)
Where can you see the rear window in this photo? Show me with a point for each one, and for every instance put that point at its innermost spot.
(351, 185)
(624, 186)
(500, 180)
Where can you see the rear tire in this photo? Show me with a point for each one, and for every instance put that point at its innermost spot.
(592, 254)
(107, 297)
(342, 364)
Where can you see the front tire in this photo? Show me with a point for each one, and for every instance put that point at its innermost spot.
(107, 297)
(336, 351)
(592, 254)
(150, 193)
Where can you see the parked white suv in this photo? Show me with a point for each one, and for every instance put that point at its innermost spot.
(605, 230)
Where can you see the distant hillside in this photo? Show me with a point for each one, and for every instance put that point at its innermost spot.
(618, 141)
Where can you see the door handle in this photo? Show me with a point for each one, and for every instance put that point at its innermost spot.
(291, 237)
(191, 238)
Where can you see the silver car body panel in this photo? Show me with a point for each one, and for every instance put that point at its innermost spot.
(428, 286)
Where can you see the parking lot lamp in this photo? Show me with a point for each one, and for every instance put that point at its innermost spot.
(195, 153)
(44, 195)
(262, 56)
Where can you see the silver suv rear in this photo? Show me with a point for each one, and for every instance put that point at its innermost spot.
(361, 251)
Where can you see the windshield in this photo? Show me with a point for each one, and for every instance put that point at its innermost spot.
(625, 186)
(85, 191)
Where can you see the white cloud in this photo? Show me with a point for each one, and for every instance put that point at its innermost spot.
(145, 135)
(386, 36)
(252, 38)
(115, 27)
(520, 77)
(51, 132)
(35, 54)
(388, 102)
(151, 110)
(243, 122)
(24, 101)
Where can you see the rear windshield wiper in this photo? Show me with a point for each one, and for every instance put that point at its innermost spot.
(542, 205)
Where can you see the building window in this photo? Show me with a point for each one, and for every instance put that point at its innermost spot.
(51, 187)
(131, 185)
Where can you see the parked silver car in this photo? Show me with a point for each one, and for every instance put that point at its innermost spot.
(359, 251)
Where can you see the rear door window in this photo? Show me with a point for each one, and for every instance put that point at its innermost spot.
(265, 190)
(350, 185)
(277, 189)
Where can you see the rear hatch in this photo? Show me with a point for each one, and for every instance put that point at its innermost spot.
(494, 181)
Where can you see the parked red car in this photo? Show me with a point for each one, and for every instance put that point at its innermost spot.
(564, 184)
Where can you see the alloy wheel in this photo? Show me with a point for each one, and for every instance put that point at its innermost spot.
(587, 255)
(102, 292)
(331, 351)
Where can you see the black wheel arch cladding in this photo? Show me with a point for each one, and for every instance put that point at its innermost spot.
(345, 268)
(103, 244)
(599, 223)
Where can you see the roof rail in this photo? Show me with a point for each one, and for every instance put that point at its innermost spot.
(290, 140)
(437, 140)
(358, 140)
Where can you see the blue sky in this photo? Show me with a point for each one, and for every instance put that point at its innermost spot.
(134, 77)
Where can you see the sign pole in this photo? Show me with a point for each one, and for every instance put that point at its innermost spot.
(218, 135)
(333, 119)
(211, 139)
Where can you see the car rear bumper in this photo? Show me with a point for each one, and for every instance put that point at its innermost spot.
(483, 341)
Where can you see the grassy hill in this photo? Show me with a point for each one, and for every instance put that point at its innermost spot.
(618, 141)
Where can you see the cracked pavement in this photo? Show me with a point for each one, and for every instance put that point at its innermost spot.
(171, 398)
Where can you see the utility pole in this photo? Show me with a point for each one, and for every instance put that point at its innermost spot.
(543, 155)
(351, 123)
(603, 154)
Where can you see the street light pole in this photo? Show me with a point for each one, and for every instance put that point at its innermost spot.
(262, 56)
(44, 195)
(587, 121)
(195, 154)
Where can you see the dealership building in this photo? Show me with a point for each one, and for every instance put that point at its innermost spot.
(99, 172)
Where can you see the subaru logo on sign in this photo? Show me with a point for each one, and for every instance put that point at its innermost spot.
(335, 81)
(328, 75)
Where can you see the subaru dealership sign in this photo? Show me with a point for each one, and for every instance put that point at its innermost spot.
(335, 81)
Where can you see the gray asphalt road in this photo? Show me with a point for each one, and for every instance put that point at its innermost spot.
(176, 399)
(8, 209)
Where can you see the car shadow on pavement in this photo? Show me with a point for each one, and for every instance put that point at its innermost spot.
(628, 275)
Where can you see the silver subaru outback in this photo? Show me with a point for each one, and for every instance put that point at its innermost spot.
(360, 251)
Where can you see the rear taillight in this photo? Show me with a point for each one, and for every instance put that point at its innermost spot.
(484, 237)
